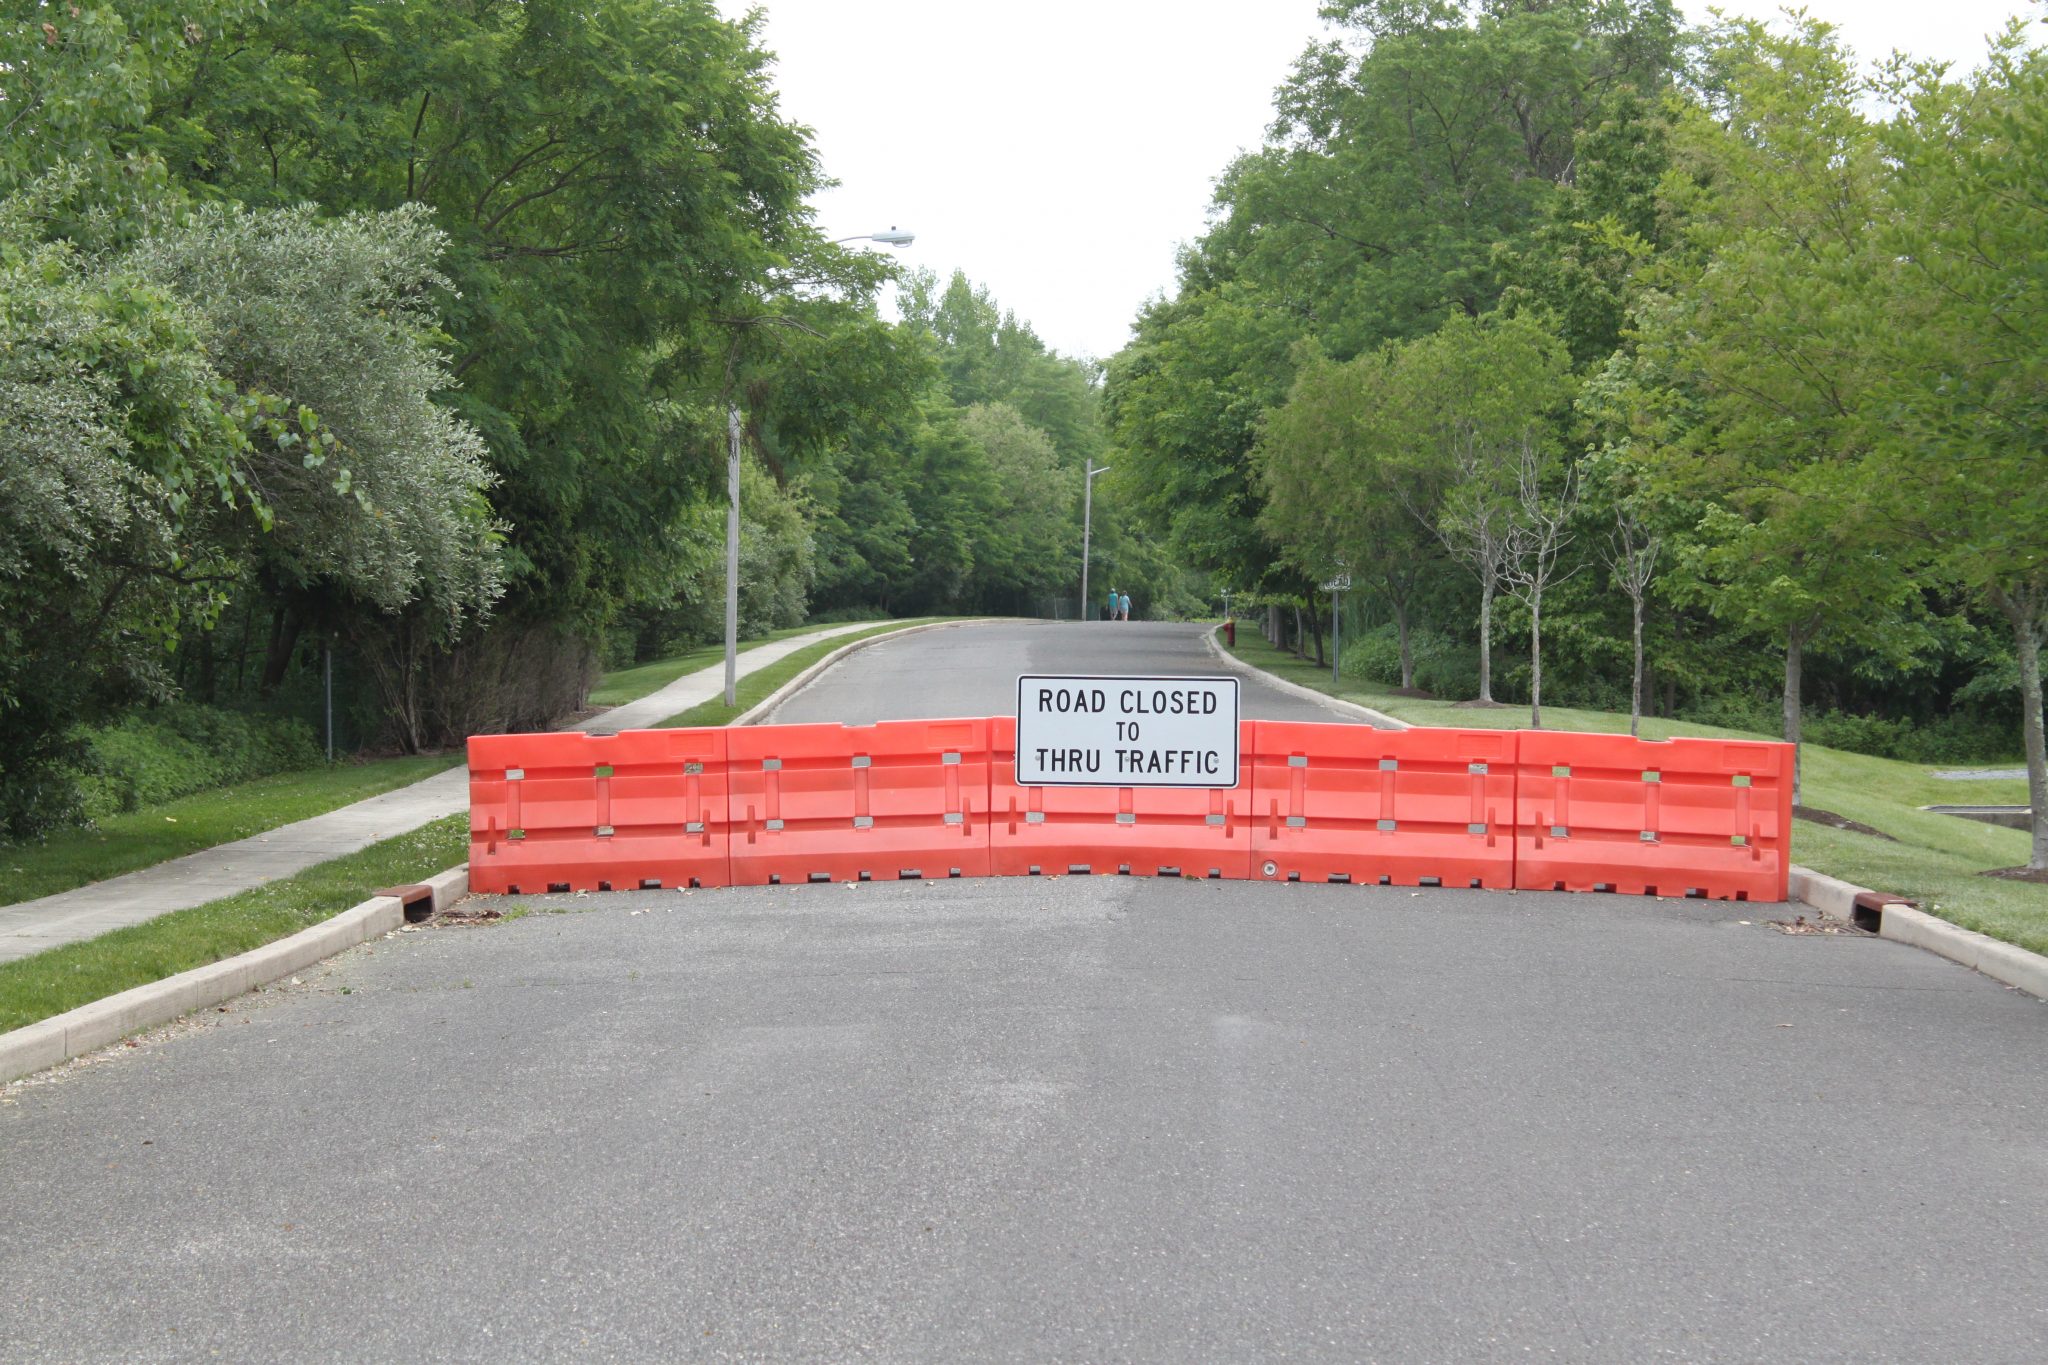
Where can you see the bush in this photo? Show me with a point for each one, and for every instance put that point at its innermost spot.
(157, 755)
(846, 615)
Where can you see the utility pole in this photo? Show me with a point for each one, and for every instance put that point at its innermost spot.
(732, 557)
(1087, 527)
(1336, 586)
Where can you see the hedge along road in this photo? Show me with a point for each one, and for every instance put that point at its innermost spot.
(1075, 1118)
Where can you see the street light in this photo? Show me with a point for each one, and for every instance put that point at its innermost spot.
(1087, 526)
(895, 236)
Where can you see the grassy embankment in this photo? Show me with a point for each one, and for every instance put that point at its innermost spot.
(1936, 859)
(63, 978)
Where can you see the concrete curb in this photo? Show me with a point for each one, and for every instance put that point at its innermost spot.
(2002, 962)
(75, 1032)
(761, 711)
(1379, 720)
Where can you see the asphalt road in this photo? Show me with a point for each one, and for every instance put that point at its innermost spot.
(1065, 1119)
(972, 671)
(1082, 1119)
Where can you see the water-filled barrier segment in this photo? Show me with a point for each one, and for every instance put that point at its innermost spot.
(1418, 807)
(1679, 817)
(1133, 831)
(577, 812)
(896, 801)
(1531, 809)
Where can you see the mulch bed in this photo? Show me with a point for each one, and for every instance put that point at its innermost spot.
(2036, 875)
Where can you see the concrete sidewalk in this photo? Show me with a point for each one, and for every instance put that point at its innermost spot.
(89, 911)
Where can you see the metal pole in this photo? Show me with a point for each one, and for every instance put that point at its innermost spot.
(1087, 526)
(328, 670)
(1336, 650)
(732, 558)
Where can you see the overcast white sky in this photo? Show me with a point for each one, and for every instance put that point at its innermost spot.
(1058, 151)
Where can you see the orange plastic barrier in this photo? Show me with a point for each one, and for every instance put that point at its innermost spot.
(903, 799)
(1681, 817)
(1136, 831)
(1345, 803)
(577, 812)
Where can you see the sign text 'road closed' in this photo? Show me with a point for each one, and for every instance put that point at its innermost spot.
(1126, 732)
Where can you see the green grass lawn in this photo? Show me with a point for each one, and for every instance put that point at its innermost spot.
(1935, 861)
(154, 834)
(64, 978)
(631, 684)
(756, 687)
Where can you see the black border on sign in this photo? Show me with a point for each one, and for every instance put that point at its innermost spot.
(1236, 739)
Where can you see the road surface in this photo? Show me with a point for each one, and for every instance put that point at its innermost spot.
(1084, 1118)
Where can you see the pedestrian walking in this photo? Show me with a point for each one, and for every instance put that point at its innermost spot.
(1127, 606)
(1109, 612)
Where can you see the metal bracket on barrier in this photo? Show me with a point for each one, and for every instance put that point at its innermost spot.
(949, 758)
(1297, 822)
(771, 765)
(603, 832)
(1475, 828)
(1648, 836)
(863, 761)
(1390, 765)
(694, 827)
(863, 822)
(772, 824)
(1126, 818)
(1386, 825)
(954, 817)
(1559, 832)
(514, 774)
(1476, 769)
(1212, 819)
(1034, 817)
(1297, 760)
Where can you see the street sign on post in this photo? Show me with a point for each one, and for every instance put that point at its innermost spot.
(1341, 583)
(1081, 731)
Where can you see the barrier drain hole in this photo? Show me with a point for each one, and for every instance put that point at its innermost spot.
(1557, 886)
(1386, 881)
(1079, 869)
(1475, 884)
(774, 879)
(1429, 881)
(1742, 895)
(1123, 869)
(867, 876)
(1165, 871)
(909, 874)
(1215, 874)
(555, 887)
(696, 885)
(1607, 887)
(1695, 893)
(1649, 890)
(650, 884)
(604, 886)
(1034, 869)
(512, 889)
(817, 877)
(952, 872)
(1340, 878)
(1294, 876)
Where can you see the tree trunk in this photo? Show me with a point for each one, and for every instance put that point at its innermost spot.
(284, 642)
(1486, 638)
(1300, 635)
(1795, 651)
(1315, 630)
(1407, 656)
(1635, 700)
(2026, 632)
(1536, 661)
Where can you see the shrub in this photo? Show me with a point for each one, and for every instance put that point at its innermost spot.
(160, 754)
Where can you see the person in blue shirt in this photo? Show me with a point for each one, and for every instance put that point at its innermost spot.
(1126, 606)
(1109, 612)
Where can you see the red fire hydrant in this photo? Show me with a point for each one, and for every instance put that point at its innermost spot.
(1230, 634)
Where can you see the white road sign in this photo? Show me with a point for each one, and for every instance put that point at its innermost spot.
(1126, 732)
